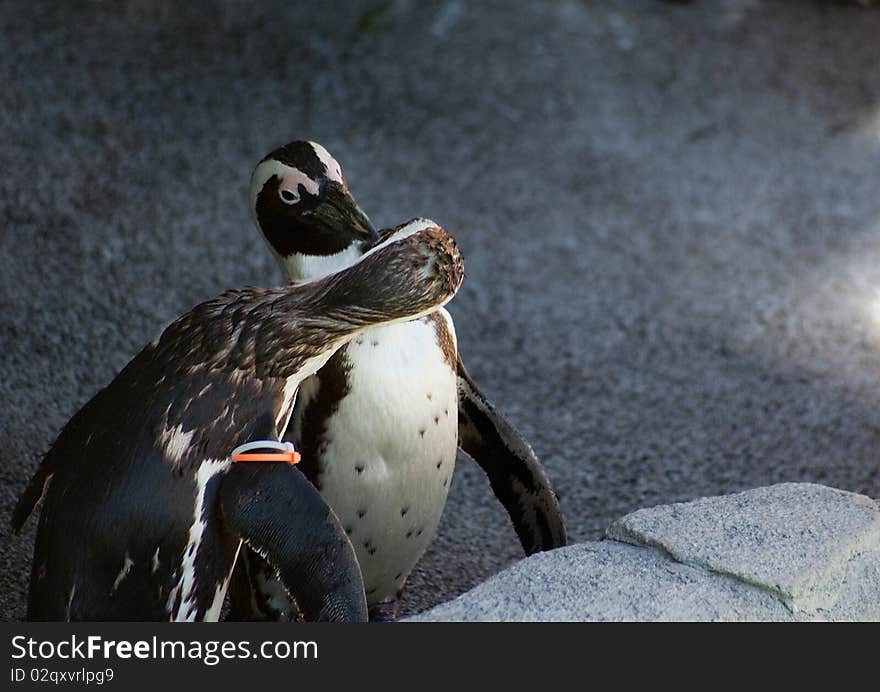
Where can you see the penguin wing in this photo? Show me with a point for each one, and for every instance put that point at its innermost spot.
(279, 514)
(515, 474)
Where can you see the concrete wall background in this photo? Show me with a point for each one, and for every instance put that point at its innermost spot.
(669, 214)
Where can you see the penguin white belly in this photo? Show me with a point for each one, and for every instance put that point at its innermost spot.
(389, 449)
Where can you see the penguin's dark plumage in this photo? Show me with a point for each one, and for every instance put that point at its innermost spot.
(380, 423)
(144, 513)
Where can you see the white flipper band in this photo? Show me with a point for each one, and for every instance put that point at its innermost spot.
(286, 452)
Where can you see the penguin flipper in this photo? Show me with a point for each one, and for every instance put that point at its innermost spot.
(515, 474)
(279, 515)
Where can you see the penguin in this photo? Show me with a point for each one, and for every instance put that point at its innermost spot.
(145, 514)
(379, 425)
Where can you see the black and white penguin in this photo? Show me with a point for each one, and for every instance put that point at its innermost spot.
(380, 423)
(145, 514)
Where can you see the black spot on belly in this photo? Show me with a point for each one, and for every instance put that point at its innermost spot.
(359, 468)
(430, 396)
(440, 463)
(362, 513)
(375, 343)
(421, 433)
(371, 549)
(436, 420)
(398, 576)
(348, 530)
(419, 532)
(403, 511)
(409, 533)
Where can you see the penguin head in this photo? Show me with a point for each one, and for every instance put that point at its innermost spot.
(301, 203)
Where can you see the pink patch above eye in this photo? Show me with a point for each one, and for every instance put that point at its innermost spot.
(293, 180)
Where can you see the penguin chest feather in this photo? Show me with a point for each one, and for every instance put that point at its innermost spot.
(385, 441)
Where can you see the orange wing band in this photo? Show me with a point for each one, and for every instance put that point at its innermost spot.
(289, 457)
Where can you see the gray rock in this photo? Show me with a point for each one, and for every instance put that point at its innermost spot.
(859, 595)
(607, 581)
(786, 552)
(795, 539)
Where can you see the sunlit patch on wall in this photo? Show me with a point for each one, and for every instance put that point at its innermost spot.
(870, 125)
(825, 318)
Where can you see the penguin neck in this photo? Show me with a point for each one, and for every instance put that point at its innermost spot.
(303, 267)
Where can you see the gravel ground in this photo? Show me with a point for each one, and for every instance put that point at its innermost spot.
(670, 216)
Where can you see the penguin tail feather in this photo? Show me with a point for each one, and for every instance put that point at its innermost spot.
(30, 497)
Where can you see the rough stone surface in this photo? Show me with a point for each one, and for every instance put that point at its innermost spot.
(669, 214)
(607, 581)
(859, 594)
(795, 540)
(788, 552)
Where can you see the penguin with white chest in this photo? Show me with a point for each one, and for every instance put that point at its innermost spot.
(145, 514)
(380, 423)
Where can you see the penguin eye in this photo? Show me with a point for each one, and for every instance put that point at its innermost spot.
(288, 196)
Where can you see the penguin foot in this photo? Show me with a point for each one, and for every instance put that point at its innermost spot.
(384, 611)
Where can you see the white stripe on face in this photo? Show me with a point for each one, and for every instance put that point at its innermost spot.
(267, 169)
(334, 170)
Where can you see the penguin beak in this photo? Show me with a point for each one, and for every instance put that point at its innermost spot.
(340, 212)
